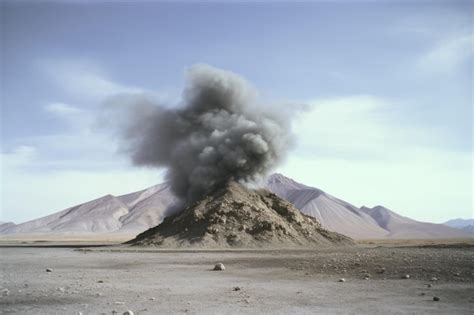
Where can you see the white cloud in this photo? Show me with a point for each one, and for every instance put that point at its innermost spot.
(83, 79)
(62, 109)
(353, 126)
(357, 149)
(19, 155)
(448, 54)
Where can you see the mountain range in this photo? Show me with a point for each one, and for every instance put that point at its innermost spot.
(463, 224)
(136, 212)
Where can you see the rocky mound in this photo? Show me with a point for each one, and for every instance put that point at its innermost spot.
(235, 216)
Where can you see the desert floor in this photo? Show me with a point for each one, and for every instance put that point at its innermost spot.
(108, 280)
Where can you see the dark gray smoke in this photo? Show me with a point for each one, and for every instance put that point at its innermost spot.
(219, 133)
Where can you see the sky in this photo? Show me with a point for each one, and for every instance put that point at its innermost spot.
(388, 86)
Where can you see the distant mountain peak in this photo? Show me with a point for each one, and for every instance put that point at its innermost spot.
(280, 179)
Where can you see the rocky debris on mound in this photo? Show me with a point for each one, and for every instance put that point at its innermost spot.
(235, 216)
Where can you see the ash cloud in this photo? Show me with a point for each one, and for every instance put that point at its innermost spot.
(219, 132)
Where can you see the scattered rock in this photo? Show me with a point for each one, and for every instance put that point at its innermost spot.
(212, 230)
(435, 298)
(219, 267)
(342, 280)
(49, 270)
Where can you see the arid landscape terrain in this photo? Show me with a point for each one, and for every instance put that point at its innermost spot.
(236, 157)
(277, 259)
(367, 278)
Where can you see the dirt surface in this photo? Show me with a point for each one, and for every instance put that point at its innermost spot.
(235, 216)
(116, 279)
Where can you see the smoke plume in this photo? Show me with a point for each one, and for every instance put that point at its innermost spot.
(220, 132)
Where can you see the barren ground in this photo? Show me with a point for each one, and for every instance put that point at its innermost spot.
(115, 279)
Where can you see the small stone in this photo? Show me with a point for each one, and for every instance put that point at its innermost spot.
(457, 274)
(219, 267)
(128, 313)
(237, 289)
(406, 276)
(62, 290)
(366, 278)
(342, 280)
(152, 298)
(429, 285)
(5, 292)
(119, 303)
(382, 270)
(435, 298)
(434, 279)
(422, 294)
(49, 270)
(100, 281)
(212, 230)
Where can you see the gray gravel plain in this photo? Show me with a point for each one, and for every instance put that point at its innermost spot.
(112, 280)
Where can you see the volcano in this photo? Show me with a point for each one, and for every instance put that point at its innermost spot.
(236, 216)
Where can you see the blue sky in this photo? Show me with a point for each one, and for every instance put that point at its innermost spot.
(389, 86)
